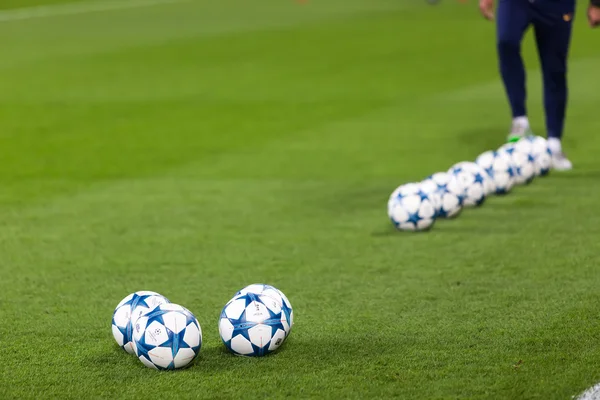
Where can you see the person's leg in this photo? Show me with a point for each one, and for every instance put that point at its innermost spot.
(513, 19)
(553, 28)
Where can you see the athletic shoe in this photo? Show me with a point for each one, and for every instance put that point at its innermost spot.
(560, 162)
(518, 131)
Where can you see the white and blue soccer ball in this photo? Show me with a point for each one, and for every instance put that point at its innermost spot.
(254, 324)
(411, 209)
(474, 180)
(499, 168)
(128, 311)
(537, 146)
(448, 192)
(271, 291)
(523, 165)
(401, 191)
(168, 337)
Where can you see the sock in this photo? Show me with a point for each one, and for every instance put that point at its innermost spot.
(554, 145)
(521, 121)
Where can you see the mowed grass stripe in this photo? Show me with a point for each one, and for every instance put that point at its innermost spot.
(76, 8)
(12, 4)
(80, 35)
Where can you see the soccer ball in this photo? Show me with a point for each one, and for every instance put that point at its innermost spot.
(439, 181)
(524, 168)
(412, 211)
(253, 324)
(401, 191)
(449, 194)
(128, 311)
(487, 183)
(168, 337)
(541, 153)
(540, 161)
(499, 168)
(271, 291)
(474, 180)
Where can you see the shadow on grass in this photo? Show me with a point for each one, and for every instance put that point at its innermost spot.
(393, 232)
(480, 227)
(576, 174)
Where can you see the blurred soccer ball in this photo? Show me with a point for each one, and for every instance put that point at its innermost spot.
(128, 311)
(447, 192)
(537, 146)
(474, 180)
(168, 337)
(254, 324)
(499, 168)
(401, 191)
(411, 209)
(522, 163)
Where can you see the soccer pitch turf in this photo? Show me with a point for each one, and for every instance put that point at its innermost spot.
(192, 148)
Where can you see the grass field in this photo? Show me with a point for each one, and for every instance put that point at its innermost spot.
(192, 148)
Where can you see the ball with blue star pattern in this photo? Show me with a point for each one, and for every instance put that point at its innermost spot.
(499, 168)
(522, 163)
(128, 311)
(402, 191)
(168, 337)
(411, 209)
(476, 183)
(276, 294)
(448, 192)
(254, 324)
(537, 148)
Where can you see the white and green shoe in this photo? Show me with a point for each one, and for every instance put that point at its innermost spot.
(560, 162)
(519, 129)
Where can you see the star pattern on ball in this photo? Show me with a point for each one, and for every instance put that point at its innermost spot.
(442, 186)
(478, 178)
(287, 312)
(490, 171)
(422, 195)
(135, 301)
(156, 315)
(140, 301)
(275, 321)
(241, 326)
(442, 213)
(125, 331)
(400, 196)
(143, 348)
(259, 351)
(414, 218)
(177, 342)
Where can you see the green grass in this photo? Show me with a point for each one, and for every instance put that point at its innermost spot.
(197, 147)
(7, 4)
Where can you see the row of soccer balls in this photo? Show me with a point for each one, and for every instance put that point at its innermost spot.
(416, 206)
(164, 335)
